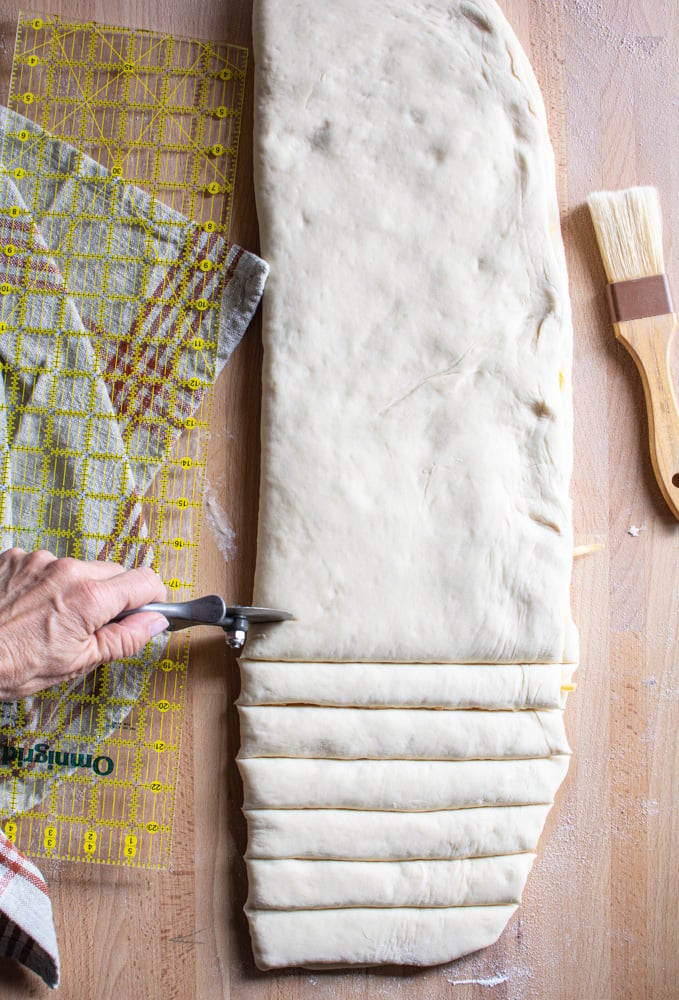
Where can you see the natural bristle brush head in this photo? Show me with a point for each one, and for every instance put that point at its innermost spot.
(628, 227)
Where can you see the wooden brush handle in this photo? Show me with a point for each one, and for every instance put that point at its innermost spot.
(649, 341)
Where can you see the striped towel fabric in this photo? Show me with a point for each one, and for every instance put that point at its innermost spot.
(90, 415)
(26, 925)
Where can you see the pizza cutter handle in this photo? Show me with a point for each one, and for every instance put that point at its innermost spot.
(208, 610)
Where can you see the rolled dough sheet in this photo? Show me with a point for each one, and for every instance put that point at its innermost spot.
(416, 425)
(403, 739)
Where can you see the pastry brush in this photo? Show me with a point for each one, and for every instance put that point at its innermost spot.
(628, 228)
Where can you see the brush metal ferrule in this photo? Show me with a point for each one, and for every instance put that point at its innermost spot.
(639, 298)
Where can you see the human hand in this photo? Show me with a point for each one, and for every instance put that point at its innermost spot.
(55, 618)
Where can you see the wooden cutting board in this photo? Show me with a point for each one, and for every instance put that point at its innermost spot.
(600, 915)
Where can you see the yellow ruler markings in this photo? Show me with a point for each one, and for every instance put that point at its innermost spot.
(163, 103)
(40, 46)
(124, 61)
(114, 793)
(56, 126)
(66, 83)
(180, 485)
(191, 142)
(88, 98)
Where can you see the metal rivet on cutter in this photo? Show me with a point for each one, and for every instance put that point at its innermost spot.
(212, 610)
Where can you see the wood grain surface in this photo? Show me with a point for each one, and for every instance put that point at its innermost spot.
(599, 917)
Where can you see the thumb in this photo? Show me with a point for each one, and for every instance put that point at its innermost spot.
(118, 640)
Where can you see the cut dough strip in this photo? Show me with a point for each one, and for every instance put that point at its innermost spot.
(317, 938)
(302, 885)
(409, 734)
(398, 785)
(406, 685)
(348, 835)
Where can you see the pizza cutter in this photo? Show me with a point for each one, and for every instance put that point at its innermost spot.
(212, 610)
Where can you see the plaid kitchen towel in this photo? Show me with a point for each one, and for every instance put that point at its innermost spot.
(104, 357)
(26, 924)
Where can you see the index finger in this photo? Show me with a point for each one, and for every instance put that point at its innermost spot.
(99, 569)
(124, 591)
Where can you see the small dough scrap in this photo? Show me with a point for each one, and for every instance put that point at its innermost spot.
(407, 785)
(405, 685)
(354, 835)
(331, 938)
(305, 885)
(407, 734)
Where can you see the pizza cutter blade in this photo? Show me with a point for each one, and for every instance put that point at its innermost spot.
(212, 610)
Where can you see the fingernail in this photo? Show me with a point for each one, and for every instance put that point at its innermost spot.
(159, 625)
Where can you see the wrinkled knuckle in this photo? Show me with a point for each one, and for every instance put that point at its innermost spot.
(128, 646)
(108, 648)
(11, 561)
(61, 574)
(11, 678)
(117, 642)
(59, 583)
(69, 569)
(75, 600)
(27, 567)
(89, 595)
(11, 555)
(39, 559)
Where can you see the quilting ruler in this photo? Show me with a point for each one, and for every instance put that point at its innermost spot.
(162, 114)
